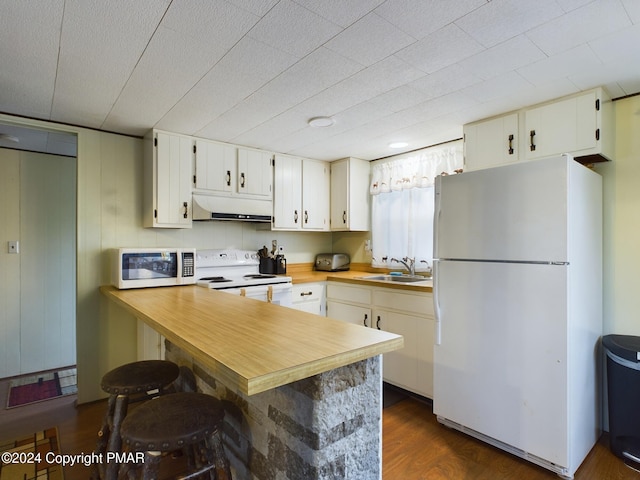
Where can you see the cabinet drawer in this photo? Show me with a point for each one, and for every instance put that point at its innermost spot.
(308, 292)
(412, 303)
(348, 293)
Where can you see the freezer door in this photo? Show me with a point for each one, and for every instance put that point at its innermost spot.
(501, 365)
(515, 212)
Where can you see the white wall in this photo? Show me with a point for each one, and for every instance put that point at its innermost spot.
(622, 223)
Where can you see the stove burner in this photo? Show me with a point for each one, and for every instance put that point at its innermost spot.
(259, 275)
(215, 279)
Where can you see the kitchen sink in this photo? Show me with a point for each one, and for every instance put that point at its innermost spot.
(397, 278)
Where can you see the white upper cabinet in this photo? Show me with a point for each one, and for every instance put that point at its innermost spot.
(315, 194)
(492, 142)
(301, 194)
(168, 170)
(579, 125)
(287, 193)
(254, 174)
(215, 167)
(350, 195)
(224, 169)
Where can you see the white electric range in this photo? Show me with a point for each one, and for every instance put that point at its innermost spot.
(238, 272)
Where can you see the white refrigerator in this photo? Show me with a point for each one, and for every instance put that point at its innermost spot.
(518, 303)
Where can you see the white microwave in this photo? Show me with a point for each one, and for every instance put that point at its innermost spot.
(153, 267)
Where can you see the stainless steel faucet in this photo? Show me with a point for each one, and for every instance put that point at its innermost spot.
(409, 264)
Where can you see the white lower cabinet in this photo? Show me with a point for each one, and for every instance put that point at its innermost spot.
(150, 343)
(309, 297)
(395, 311)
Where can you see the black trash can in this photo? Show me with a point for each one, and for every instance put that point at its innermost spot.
(623, 382)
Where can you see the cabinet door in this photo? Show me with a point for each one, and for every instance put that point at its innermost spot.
(287, 193)
(339, 195)
(315, 195)
(349, 313)
(400, 366)
(350, 195)
(215, 166)
(491, 143)
(254, 173)
(173, 180)
(565, 126)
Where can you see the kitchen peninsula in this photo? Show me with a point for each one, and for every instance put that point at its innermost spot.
(302, 392)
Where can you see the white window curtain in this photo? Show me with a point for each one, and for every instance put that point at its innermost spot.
(402, 204)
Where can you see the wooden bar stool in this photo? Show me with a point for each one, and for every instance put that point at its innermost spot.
(191, 422)
(126, 384)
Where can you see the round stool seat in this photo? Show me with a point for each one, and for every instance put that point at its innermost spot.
(172, 421)
(138, 377)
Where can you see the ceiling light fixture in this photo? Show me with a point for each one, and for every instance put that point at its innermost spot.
(320, 122)
(398, 144)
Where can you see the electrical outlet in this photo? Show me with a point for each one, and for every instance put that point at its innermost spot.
(14, 246)
(281, 249)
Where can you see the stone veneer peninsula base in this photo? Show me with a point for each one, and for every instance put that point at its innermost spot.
(327, 426)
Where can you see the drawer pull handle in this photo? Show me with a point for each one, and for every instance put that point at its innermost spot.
(305, 294)
(228, 178)
(378, 323)
(366, 317)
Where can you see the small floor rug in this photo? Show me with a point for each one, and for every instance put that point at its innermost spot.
(28, 447)
(42, 386)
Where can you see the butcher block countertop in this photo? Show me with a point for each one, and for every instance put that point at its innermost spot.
(248, 344)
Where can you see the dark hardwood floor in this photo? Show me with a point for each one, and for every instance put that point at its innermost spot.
(415, 445)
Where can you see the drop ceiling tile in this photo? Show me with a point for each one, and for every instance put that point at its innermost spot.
(444, 81)
(248, 66)
(340, 12)
(400, 98)
(509, 84)
(293, 29)
(543, 92)
(369, 40)
(504, 57)
(171, 65)
(500, 20)
(362, 86)
(28, 56)
(633, 9)
(576, 60)
(310, 76)
(213, 23)
(86, 95)
(585, 24)
(568, 5)
(257, 7)
(619, 47)
(286, 123)
(622, 73)
(420, 18)
(445, 47)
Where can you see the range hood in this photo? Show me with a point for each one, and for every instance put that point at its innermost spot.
(214, 207)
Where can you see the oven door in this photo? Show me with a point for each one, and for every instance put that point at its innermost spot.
(279, 294)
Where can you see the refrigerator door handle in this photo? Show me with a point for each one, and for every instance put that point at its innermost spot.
(436, 302)
(436, 216)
